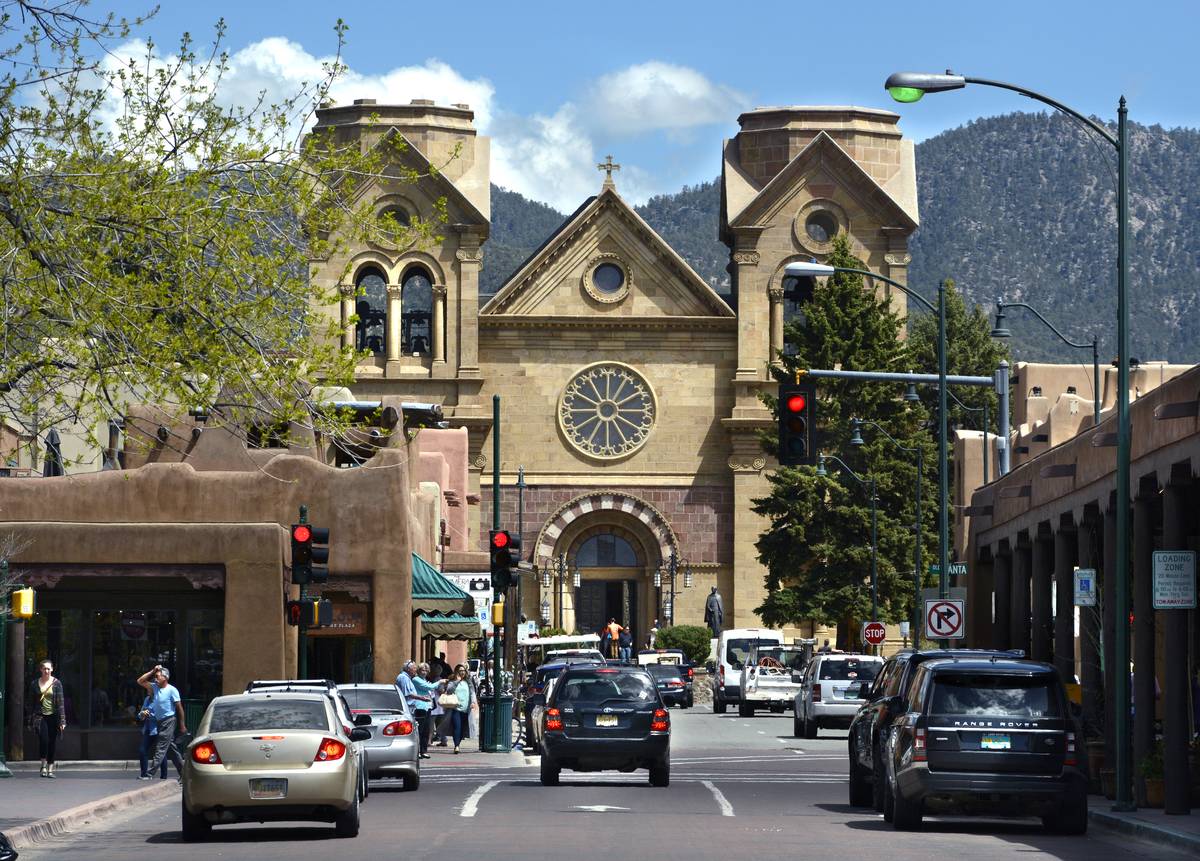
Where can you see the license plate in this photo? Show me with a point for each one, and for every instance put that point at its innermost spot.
(606, 720)
(268, 787)
(996, 742)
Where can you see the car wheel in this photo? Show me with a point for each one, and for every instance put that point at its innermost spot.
(797, 727)
(906, 815)
(346, 823)
(549, 771)
(860, 790)
(718, 705)
(412, 782)
(193, 825)
(878, 792)
(691, 701)
(1071, 816)
(660, 774)
(889, 805)
(810, 727)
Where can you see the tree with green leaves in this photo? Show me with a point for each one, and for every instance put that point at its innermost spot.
(156, 241)
(816, 547)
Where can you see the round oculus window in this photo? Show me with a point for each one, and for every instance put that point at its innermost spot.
(608, 278)
(821, 226)
(607, 411)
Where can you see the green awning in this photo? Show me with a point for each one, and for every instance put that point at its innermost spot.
(433, 593)
(451, 626)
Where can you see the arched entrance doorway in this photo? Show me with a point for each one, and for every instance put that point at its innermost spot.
(610, 584)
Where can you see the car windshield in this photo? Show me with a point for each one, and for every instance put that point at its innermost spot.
(545, 675)
(792, 659)
(664, 671)
(992, 694)
(737, 651)
(582, 690)
(268, 714)
(374, 699)
(849, 669)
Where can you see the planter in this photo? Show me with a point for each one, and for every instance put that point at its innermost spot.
(1108, 783)
(1156, 791)
(1095, 761)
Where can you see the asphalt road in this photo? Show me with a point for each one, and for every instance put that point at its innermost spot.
(741, 788)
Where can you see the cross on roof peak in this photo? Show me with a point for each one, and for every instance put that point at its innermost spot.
(608, 166)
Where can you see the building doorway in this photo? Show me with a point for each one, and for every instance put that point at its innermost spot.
(612, 585)
(597, 601)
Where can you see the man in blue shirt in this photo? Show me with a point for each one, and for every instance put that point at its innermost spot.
(166, 709)
(418, 702)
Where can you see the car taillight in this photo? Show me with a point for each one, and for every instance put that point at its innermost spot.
(676, 683)
(553, 719)
(816, 697)
(205, 753)
(919, 745)
(721, 674)
(329, 749)
(1071, 758)
(691, 673)
(398, 727)
(661, 722)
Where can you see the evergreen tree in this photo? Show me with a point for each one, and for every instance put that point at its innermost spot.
(817, 547)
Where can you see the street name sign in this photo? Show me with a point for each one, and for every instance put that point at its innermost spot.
(957, 569)
(945, 619)
(1174, 579)
(874, 633)
(1085, 587)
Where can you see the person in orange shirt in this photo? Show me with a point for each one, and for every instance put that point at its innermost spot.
(614, 634)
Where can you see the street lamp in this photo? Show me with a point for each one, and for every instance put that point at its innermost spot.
(555, 572)
(671, 568)
(911, 86)
(820, 270)
(867, 484)
(856, 439)
(1001, 331)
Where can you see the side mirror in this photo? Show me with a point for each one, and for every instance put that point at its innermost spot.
(360, 734)
(710, 667)
(362, 720)
(797, 676)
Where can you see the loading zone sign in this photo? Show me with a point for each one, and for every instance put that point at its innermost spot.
(1174, 580)
(945, 619)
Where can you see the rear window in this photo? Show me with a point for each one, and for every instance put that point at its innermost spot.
(664, 671)
(737, 651)
(849, 670)
(268, 714)
(991, 694)
(792, 659)
(601, 687)
(545, 676)
(374, 699)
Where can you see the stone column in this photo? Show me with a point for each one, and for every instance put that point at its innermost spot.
(346, 291)
(1002, 600)
(1064, 604)
(775, 294)
(1021, 621)
(1042, 563)
(749, 482)
(394, 311)
(1109, 588)
(439, 324)
(1176, 684)
(470, 257)
(1089, 635)
(1143, 637)
(753, 315)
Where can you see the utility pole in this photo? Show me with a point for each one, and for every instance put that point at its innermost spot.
(496, 733)
(301, 636)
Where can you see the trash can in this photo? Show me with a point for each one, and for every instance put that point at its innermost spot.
(487, 716)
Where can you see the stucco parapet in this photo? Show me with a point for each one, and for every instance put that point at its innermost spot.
(156, 543)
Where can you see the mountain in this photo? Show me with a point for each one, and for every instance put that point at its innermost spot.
(1020, 207)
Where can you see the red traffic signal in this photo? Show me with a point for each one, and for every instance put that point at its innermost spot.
(797, 403)
(796, 406)
(294, 613)
(301, 532)
(500, 539)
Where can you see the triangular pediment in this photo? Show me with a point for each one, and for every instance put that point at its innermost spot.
(553, 281)
(822, 157)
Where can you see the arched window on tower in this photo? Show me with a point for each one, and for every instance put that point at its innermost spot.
(371, 308)
(416, 299)
(606, 551)
(797, 292)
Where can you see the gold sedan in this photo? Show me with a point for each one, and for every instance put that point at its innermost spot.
(271, 757)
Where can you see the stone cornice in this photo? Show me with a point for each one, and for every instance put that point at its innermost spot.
(512, 321)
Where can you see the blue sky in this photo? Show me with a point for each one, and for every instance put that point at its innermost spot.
(660, 84)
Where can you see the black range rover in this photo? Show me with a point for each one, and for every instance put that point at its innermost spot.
(986, 735)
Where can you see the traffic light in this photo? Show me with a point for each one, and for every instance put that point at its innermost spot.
(319, 555)
(302, 538)
(309, 613)
(23, 603)
(504, 551)
(796, 417)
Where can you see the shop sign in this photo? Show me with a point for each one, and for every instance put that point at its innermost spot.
(349, 620)
(133, 625)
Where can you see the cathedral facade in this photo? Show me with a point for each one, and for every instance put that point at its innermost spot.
(629, 388)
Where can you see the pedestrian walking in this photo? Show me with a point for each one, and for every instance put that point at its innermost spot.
(460, 689)
(613, 632)
(149, 739)
(437, 733)
(166, 710)
(46, 712)
(625, 645)
(418, 703)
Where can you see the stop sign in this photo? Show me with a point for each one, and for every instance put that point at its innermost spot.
(874, 633)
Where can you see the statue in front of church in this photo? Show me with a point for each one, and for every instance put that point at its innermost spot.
(714, 612)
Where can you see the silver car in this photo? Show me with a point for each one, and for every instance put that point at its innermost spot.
(271, 757)
(394, 745)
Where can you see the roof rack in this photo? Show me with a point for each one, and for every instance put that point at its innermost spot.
(290, 684)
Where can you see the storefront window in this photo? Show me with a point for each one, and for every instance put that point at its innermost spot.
(126, 643)
(58, 635)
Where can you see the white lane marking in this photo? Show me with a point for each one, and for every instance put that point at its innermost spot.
(761, 732)
(722, 801)
(598, 808)
(472, 805)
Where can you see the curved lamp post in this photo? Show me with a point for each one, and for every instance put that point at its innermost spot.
(1001, 331)
(856, 439)
(821, 270)
(868, 484)
(910, 87)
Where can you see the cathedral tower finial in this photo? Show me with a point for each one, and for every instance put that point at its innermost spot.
(608, 166)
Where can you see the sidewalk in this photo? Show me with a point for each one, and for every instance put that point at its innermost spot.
(1179, 832)
(33, 808)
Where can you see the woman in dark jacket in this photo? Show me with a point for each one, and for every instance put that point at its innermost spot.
(46, 710)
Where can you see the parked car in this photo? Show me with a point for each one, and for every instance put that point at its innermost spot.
(672, 686)
(535, 697)
(606, 719)
(269, 757)
(687, 669)
(832, 690)
(991, 735)
(733, 648)
(571, 656)
(771, 676)
(394, 746)
(886, 699)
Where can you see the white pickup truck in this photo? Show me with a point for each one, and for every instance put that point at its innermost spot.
(771, 676)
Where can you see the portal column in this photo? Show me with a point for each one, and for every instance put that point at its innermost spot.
(1002, 599)
(346, 292)
(1089, 634)
(1175, 681)
(1064, 604)
(1022, 563)
(394, 312)
(1109, 586)
(1143, 636)
(439, 324)
(775, 294)
(1042, 558)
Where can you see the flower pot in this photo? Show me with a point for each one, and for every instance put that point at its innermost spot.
(1156, 791)
(1108, 783)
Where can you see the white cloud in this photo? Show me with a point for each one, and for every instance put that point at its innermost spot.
(658, 96)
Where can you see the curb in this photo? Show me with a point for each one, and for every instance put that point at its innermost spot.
(1156, 833)
(78, 765)
(43, 829)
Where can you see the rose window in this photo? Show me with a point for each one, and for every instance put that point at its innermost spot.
(607, 410)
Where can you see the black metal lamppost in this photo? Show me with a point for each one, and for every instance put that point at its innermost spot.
(670, 567)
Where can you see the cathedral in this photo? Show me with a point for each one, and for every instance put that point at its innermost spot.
(629, 388)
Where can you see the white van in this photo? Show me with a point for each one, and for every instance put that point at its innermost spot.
(733, 647)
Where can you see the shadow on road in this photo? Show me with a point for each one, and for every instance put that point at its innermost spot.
(250, 835)
(564, 782)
